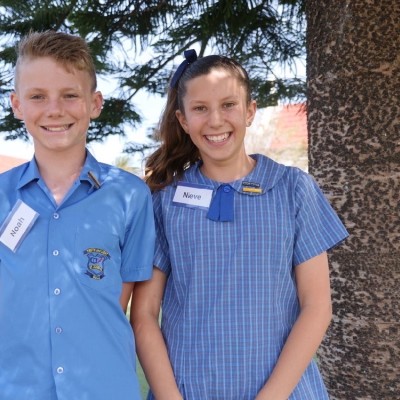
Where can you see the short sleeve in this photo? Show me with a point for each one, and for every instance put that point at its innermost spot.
(318, 227)
(138, 247)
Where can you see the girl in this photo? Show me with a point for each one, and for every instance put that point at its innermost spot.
(241, 268)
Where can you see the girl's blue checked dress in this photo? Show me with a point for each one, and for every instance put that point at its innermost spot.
(230, 300)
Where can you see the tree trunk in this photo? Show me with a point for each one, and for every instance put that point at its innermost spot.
(353, 79)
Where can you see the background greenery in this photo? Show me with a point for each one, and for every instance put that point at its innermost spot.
(137, 45)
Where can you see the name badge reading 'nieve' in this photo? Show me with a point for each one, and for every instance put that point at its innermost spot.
(17, 225)
(192, 195)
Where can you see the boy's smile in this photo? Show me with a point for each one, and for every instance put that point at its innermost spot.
(57, 128)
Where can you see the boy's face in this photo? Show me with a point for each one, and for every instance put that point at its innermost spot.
(55, 105)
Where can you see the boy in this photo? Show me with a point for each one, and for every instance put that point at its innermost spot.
(75, 235)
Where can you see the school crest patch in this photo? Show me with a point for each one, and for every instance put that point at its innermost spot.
(96, 259)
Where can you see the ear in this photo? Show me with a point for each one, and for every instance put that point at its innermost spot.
(182, 120)
(97, 104)
(16, 106)
(251, 112)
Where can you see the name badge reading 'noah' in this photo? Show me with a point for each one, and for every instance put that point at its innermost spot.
(192, 195)
(17, 225)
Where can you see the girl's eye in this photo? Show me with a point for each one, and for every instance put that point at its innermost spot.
(229, 105)
(199, 108)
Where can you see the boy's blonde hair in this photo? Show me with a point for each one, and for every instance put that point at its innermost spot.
(72, 52)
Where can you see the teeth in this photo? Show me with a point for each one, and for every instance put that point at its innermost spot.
(57, 128)
(218, 138)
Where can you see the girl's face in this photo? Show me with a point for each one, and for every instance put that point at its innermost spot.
(215, 116)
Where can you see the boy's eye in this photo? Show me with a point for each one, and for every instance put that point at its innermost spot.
(229, 105)
(71, 96)
(37, 97)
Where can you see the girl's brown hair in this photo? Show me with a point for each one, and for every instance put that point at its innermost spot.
(177, 151)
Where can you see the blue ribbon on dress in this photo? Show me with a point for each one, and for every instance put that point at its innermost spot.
(221, 207)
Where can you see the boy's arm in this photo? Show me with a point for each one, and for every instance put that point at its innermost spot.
(313, 286)
(150, 345)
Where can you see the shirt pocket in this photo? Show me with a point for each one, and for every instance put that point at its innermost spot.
(99, 259)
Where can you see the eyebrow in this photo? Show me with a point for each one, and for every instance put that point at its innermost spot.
(227, 98)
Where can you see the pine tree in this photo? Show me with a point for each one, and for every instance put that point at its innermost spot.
(260, 34)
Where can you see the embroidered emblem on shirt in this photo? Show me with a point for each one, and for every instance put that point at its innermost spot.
(95, 265)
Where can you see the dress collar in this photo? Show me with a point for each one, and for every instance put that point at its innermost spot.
(265, 175)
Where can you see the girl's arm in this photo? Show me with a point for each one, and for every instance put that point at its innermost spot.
(126, 293)
(150, 345)
(313, 286)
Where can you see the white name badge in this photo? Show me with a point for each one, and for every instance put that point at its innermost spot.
(192, 195)
(17, 225)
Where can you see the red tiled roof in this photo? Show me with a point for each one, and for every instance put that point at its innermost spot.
(7, 162)
(291, 122)
(280, 132)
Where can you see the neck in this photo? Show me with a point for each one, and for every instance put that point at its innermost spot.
(59, 172)
(228, 171)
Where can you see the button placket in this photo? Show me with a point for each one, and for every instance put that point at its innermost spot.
(57, 329)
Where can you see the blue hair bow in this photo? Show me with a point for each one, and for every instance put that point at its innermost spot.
(190, 57)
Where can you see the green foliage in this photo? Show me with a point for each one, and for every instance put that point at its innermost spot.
(135, 43)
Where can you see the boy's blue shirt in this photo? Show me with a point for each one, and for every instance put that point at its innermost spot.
(63, 333)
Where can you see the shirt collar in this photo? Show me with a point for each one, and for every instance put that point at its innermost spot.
(29, 174)
(91, 172)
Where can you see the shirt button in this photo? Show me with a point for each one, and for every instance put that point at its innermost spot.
(57, 291)
(56, 215)
(56, 252)
(58, 330)
(227, 189)
(60, 370)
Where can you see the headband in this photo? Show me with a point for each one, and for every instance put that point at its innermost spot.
(190, 57)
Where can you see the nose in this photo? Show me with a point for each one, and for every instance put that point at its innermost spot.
(215, 118)
(54, 107)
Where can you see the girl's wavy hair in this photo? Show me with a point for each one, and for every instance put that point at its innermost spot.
(177, 152)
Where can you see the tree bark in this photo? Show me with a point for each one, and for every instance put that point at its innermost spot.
(353, 82)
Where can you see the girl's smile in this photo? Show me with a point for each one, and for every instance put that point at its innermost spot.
(218, 138)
